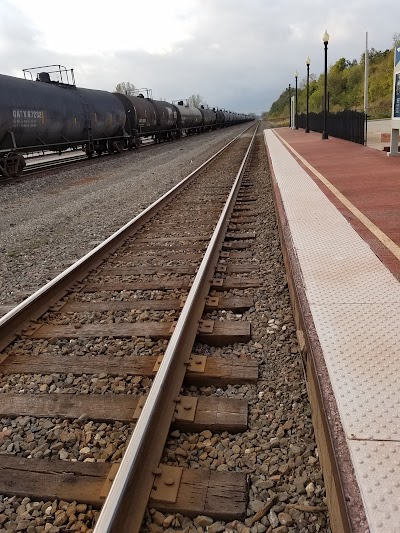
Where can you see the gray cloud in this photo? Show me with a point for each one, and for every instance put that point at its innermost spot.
(241, 55)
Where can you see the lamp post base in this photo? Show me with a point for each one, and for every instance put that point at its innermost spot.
(325, 135)
(306, 130)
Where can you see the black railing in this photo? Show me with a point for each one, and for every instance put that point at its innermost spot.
(348, 125)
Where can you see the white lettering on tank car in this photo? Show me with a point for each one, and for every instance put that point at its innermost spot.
(27, 118)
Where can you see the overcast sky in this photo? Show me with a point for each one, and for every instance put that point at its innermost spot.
(237, 54)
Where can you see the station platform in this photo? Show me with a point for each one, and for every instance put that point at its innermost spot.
(338, 207)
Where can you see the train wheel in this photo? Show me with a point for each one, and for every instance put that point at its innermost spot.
(137, 143)
(113, 147)
(12, 165)
(117, 148)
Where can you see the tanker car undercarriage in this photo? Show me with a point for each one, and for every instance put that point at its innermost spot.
(12, 163)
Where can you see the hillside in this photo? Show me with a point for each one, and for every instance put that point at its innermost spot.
(345, 88)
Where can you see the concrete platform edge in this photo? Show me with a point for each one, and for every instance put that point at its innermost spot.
(345, 503)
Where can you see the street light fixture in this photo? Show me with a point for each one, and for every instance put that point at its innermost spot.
(296, 75)
(308, 61)
(290, 109)
(325, 38)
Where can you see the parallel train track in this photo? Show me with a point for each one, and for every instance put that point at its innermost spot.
(79, 156)
(42, 166)
(175, 275)
(48, 165)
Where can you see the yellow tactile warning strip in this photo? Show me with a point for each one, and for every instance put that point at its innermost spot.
(379, 234)
(355, 305)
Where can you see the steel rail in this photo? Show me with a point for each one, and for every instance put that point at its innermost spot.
(45, 165)
(67, 161)
(35, 305)
(126, 502)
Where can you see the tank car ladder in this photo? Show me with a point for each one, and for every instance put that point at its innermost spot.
(88, 127)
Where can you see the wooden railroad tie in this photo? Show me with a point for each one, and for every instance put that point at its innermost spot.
(244, 235)
(135, 257)
(244, 220)
(214, 413)
(220, 495)
(220, 371)
(157, 270)
(246, 226)
(172, 238)
(235, 303)
(222, 333)
(164, 246)
(228, 284)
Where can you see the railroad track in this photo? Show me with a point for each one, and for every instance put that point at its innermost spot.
(172, 277)
(55, 163)
(42, 167)
(33, 169)
(79, 156)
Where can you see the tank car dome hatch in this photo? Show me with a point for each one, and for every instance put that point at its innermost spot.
(55, 74)
(43, 76)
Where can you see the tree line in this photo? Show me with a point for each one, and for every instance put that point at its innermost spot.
(126, 87)
(194, 100)
(345, 87)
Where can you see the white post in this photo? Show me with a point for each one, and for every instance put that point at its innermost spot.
(394, 139)
(293, 111)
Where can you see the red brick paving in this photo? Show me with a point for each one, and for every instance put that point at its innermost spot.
(368, 178)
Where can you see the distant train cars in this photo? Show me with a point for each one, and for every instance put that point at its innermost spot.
(56, 115)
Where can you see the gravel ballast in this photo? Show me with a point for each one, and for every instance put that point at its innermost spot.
(51, 221)
(278, 451)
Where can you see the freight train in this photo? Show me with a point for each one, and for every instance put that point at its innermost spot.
(45, 114)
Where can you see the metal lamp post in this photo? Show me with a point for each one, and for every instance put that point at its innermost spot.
(325, 38)
(308, 61)
(290, 109)
(296, 75)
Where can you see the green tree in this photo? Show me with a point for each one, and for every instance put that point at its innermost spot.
(196, 100)
(346, 87)
(124, 87)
